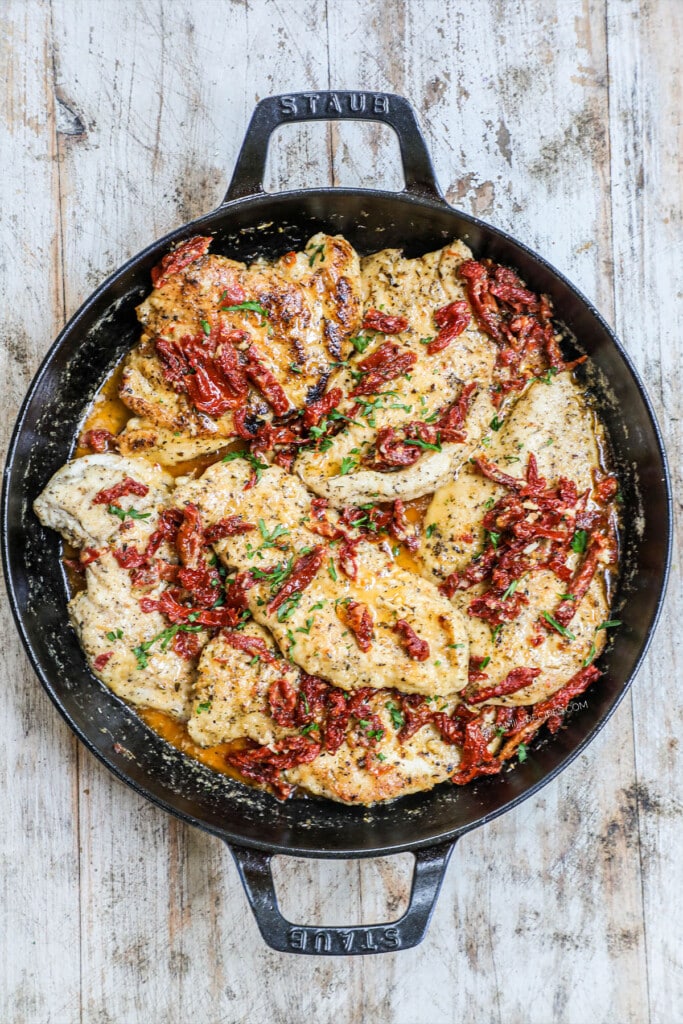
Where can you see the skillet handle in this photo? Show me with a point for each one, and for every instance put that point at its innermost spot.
(286, 937)
(396, 111)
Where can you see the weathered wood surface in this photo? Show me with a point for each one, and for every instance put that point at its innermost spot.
(559, 120)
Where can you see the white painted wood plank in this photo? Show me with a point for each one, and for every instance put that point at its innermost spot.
(646, 42)
(39, 884)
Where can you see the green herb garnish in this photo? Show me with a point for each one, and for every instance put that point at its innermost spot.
(562, 630)
(579, 541)
(247, 307)
(130, 513)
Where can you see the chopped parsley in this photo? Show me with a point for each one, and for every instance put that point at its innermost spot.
(522, 752)
(319, 251)
(269, 538)
(130, 513)
(397, 717)
(249, 457)
(204, 706)
(562, 630)
(430, 530)
(347, 464)
(579, 541)
(247, 307)
(288, 607)
(360, 342)
(165, 636)
(493, 538)
(591, 655)
(416, 442)
(511, 589)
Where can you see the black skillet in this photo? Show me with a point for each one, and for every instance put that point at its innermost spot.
(247, 224)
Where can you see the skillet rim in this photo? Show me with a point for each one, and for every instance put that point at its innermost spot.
(155, 249)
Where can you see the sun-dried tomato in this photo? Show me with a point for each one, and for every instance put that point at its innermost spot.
(282, 702)
(227, 360)
(166, 530)
(236, 591)
(386, 363)
(252, 645)
(399, 527)
(110, 495)
(452, 420)
(451, 727)
(102, 659)
(186, 253)
(517, 319)
(190, 538)
(392, 451)
(187, 645)
(265, 764)
(316, 411)
(358, 618)
(268, 435)
(227, 528)
(303, 571)
(336, 721)
(129, 557)
(579, 585)
(203, 583)
(212, 379)
(266, 382)
(375, 320)
(476, 758)
(413, 645)
(551, 710)
(606, 488)
(348, 558)
(416, 713)
(451, 321)
(496, 609)
(99, 440)
(515, 680)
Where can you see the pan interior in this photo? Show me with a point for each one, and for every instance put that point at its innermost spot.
(86, 352)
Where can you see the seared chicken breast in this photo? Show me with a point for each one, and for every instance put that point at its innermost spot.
(344, 469)
(552, 422)
(230, 702)
(284, 326)
(312, 626)
(127, 650)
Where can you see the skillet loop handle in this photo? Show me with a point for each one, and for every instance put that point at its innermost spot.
(396, 111)
(257, 878)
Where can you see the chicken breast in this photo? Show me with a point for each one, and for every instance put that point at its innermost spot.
(298, 314)
(311, 626)
(342, 469)
(127, 650)
(231, 702)
(230, 695)
(66, 503)
(553, 422)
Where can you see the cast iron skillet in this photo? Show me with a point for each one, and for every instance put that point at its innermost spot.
(249, 223)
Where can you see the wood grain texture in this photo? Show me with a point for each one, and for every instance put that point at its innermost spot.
(558, 120)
